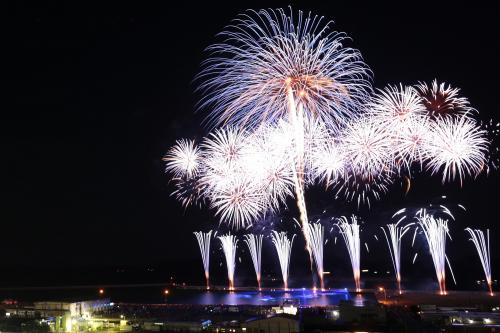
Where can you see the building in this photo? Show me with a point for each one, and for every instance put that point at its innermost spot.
(65, 317)
(281, 323)
(176, 326)
(350, 313)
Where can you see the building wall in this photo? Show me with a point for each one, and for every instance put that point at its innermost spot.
(272, 325)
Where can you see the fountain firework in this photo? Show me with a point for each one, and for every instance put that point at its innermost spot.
(435, 231)
(482, 245)
(254, 243)
(229, 247)
(316, 235)
(350, 233)
(393, 235)
(204, 244)
(283, 246)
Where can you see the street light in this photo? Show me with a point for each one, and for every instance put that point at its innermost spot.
(382, 289)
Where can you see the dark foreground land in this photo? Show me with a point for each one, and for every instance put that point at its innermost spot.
(381, 311)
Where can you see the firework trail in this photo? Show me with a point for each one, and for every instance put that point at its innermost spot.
(482, 245)
(203, 239)
(283, 246)
(394, 234)
(350, 233)
(254, 243)
(229, 247)
(435, 231)
(316, 235)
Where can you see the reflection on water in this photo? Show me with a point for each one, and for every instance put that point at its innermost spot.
(299, 297)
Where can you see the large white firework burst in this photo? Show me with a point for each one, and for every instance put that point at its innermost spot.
(442, 100)
(265, 54)
(410, 143)
(456, 148)
(329, 162)
(238, 202)
(368, 148)
(223, 152)
(267, 159)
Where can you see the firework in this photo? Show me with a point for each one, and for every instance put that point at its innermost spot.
(316, 235)
(457, 146)
(410, 143)
(223, 152)
(393, 235)
(266, 55)
(394, 105)
(283, 246)
(203, 239)
(442, 100)
(436, 231)
(254, 243)
(369, 161)
(482, 245)
(350, 233)
(183, 159)
(328, 162)
(268, 160)
(229, 243)
(367, 148)
(270, 67)
(238, 203)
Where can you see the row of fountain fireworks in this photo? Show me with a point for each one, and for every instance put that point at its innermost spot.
(434, 228)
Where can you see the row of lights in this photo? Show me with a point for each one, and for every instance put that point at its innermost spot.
(165, 292)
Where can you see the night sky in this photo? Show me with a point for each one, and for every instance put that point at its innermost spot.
(95, 95)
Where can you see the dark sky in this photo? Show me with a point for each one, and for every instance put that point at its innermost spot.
(95, 95)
